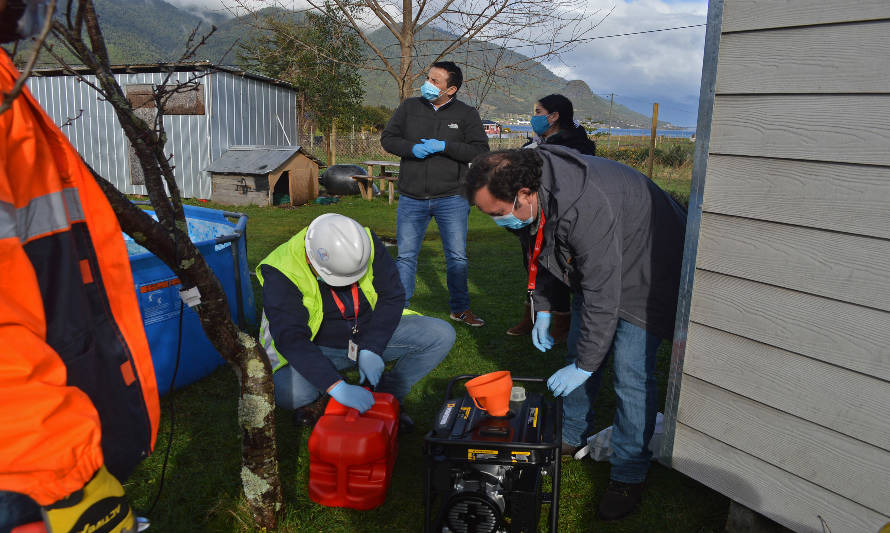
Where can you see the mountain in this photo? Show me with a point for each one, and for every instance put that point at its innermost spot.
(154, 31)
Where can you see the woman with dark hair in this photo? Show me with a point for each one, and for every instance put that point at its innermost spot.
(553, 122)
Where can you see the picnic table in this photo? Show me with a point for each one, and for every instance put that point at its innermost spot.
(386, 175)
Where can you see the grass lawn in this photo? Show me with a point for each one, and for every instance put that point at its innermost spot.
(202, 487)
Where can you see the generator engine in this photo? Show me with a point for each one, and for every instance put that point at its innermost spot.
(486, 474)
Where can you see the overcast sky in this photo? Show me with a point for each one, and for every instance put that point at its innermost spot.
(663, 67)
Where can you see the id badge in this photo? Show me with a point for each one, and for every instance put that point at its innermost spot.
(352, 351)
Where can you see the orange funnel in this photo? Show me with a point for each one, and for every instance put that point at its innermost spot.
(491, 392)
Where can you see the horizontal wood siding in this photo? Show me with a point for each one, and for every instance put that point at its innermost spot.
(860, 471)
(845, 335)
(785, 383)
(839, 128)
(786, 498)
(844, 267)
(841, 197)
(848, 58)
(846, 402)
(741, 15)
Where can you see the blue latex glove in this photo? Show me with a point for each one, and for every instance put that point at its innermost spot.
(435, 145)
(352, 396)
(420, 150)
(370, 366)
(541, 332)
(567, 379)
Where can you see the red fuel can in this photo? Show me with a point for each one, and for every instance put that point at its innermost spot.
(352, 455)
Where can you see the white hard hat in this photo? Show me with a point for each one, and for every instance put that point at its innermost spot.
(338, 249)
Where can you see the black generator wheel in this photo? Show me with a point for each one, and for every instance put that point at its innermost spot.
(471, 513)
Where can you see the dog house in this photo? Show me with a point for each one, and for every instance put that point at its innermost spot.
(264, 175)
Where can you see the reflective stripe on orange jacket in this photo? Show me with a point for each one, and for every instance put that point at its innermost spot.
(77, 385)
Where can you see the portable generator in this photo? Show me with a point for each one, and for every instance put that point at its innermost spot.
(486, 474)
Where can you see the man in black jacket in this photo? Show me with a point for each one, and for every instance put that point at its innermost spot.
(436, 135)
(616, 239)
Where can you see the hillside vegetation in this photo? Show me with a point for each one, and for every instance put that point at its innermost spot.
(154, 31)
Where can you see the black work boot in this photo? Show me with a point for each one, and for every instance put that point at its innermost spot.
(309, 414)
(406, 425)
(619, 500)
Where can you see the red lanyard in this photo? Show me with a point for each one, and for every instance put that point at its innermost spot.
(533, 257)
(342, 307)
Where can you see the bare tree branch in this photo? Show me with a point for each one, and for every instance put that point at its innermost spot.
(9, 97)
(476, 26)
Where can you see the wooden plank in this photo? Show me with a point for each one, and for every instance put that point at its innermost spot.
(783, 497)
(840, 197)
(740, 15)
(847, 58)
(848, 402)
(846, 335)
(841, 128)
(841, 464)
(845, 267)
(239, 190)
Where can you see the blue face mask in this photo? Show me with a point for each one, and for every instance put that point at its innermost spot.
(540, 124)
(429, 91)
(511, 221)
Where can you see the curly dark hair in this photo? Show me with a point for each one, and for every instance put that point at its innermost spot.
(504, 172)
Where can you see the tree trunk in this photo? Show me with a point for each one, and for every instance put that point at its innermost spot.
(168, 239)
(256, 403)
(407, 51)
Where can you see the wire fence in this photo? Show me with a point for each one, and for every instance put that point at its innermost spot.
(631, 149)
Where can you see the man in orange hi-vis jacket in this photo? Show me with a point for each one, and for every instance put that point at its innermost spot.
(78, 399)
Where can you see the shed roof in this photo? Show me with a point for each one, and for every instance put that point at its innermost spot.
(181, 66)
(253, 159)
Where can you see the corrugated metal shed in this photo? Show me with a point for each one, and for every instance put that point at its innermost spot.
(239, 108)
(256, 160)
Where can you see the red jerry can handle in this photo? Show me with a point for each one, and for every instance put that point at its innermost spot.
(352, 415)
(33, 527)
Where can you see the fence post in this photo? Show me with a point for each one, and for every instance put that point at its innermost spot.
(652, 140)
(611, 101)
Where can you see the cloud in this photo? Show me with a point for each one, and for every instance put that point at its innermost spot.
(662, 67)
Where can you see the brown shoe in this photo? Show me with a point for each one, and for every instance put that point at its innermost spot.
(525, 325)
(468, 318)
(568, 449)
(309, 414)
(559, 328)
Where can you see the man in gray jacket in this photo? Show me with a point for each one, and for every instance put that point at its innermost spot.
(436, 135)
(616, 239)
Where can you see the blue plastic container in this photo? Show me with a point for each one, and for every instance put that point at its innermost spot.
(224, 246)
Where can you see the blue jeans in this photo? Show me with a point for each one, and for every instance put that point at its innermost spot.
(633, 365)
(16, 510)
(452, 215)
(418, 345)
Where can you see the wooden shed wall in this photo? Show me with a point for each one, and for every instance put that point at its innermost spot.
(782, 401)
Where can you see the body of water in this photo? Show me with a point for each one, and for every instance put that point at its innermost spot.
(524, 130)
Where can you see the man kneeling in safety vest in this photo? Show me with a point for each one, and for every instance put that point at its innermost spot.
(332, 299)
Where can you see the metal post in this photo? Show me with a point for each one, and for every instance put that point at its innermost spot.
(693, 224)
(652, 139)
(611, 101)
